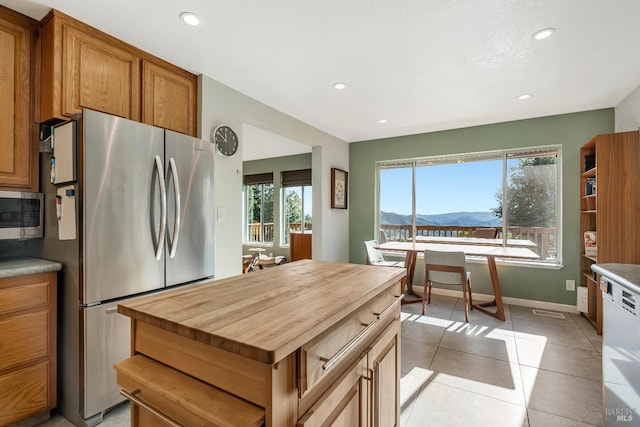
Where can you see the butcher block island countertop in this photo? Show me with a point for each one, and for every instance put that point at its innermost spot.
(283, 340)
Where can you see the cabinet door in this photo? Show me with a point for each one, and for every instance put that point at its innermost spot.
(99, 76)
(15, 101)
(300, 246)
(24, 393)
(344, 404)
(169, 98)
(384, 363)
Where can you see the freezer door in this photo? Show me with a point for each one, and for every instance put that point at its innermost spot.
(122, 207)
(190, 239)
(107, 340)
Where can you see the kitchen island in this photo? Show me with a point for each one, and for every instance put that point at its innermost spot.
(306, 343)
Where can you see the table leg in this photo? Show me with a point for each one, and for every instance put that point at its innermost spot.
(410, 264)
(497, 301)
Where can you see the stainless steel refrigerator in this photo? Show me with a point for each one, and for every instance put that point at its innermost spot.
(144, 213)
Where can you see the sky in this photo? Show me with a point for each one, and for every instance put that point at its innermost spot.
(457, 187)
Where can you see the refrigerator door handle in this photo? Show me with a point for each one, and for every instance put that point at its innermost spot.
(176, 221)
(163, 206)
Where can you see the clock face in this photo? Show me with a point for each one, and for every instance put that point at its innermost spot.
(226, 140)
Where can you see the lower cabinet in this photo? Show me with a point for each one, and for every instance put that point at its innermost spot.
(346, 402)
(384, 365)
(27, 346)
(368, 393)
(299, 246)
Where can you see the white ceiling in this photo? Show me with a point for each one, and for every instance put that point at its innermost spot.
(424, 65)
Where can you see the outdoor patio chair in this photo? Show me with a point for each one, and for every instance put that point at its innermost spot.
(485, 233)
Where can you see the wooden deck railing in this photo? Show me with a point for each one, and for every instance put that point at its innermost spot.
(256, 233)
(544, 238)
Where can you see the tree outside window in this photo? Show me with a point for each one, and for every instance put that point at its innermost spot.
(297, 210)
(296, 203)
(259, 208)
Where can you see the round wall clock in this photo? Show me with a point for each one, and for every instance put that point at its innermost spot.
(225, 139)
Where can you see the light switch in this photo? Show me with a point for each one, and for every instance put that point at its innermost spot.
(221, 214)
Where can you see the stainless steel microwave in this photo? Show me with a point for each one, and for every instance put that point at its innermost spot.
(21, 215)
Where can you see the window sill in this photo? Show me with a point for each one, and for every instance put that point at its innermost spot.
(483, 260)
(258, 244)
(517, 263)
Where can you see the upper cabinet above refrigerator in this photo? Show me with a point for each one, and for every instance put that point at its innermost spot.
(130, 83)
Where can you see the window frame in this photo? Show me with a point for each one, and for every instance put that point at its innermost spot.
(245, 234)
(283, 223)
(293, 178)
(504, 155)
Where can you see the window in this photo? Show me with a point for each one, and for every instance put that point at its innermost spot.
(258, 192)
(296, 203)
(514, 191)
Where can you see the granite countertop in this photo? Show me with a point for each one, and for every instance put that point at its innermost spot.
(20, 266)
(627, 275)
(268, 314)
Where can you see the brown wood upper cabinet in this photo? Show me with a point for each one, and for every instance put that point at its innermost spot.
(17, 65)
(86, 68)
(169, 98)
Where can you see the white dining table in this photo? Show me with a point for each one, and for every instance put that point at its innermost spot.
(490, 252)
(475, 241)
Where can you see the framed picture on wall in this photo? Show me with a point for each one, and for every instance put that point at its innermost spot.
(338, 189)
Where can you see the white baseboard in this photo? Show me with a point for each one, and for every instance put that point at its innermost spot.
(509, 300)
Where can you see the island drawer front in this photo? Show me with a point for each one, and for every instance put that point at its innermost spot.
(238, 375)
(161, 395)
(324, 356)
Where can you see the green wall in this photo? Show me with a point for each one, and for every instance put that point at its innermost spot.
(571, 131)
(276, 165)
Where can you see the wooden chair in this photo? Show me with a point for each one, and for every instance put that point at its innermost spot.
(446, 268)
(485, 233)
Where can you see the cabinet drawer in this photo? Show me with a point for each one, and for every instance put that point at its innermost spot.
(24, 338)
(342, 343)
(23, 393)
(158, 392)
(15, 296)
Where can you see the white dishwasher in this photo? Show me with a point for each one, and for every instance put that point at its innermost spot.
(620, 285)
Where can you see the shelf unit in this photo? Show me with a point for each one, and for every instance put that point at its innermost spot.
(609, 205)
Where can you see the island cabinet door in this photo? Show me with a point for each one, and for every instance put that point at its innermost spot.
(384, 366)
(345, 404)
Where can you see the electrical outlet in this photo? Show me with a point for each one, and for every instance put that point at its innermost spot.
(571, 285)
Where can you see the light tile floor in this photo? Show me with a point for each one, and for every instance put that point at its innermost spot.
(529, 371)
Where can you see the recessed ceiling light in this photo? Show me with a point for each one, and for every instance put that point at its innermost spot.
(382, 121)
(190, 18)
(543, 34)
(524, 96)
(339, 85)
